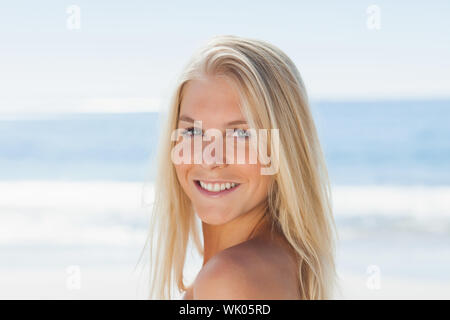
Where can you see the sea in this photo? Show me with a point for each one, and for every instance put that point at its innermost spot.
(76, 191)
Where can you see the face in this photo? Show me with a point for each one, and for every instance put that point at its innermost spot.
(209, 185)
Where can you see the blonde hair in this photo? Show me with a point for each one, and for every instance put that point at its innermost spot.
(273, 96)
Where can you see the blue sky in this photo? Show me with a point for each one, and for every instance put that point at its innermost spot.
(127, 54)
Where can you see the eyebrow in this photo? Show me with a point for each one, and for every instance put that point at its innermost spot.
(189, 119)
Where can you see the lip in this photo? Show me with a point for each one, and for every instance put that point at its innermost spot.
(214, 194)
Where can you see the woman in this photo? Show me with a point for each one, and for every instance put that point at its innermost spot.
(266, 235)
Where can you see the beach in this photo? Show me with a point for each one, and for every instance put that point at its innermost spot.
(77, 190)
(100, 228)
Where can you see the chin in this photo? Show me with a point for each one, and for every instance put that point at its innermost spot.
(213, 217)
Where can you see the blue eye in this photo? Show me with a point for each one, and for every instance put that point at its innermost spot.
(192, 131)
(241, 133)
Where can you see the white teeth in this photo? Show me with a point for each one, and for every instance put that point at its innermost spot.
(216, 187)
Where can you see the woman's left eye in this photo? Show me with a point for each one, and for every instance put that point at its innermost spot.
(241, 133)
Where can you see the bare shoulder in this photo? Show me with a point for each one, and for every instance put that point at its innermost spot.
(251, 270)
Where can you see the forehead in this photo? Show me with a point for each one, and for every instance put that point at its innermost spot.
(213, 100)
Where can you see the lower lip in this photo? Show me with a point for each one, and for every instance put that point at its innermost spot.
(214, 194)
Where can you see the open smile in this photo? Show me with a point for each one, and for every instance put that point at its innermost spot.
(215, 189)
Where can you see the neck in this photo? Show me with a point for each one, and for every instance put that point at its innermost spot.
(245, 227)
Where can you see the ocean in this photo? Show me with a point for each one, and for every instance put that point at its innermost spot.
(76, 189)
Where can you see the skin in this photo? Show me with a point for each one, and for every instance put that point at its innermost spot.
(243, 257)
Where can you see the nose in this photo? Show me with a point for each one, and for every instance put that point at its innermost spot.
(214, 153)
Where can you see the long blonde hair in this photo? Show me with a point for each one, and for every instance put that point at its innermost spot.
(273, 96)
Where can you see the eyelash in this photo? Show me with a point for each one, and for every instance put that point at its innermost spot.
(188, 132)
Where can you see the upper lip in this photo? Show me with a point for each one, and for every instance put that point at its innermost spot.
(215, 181)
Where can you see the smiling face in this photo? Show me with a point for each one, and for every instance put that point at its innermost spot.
(210, 185)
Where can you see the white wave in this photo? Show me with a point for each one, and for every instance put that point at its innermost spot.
(67, 213)
(117, 213)
(417, 201)
(429, 201)
(391, 211)
(100, 195)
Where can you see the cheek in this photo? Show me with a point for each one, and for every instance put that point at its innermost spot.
(182, 171)
(258, 183)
